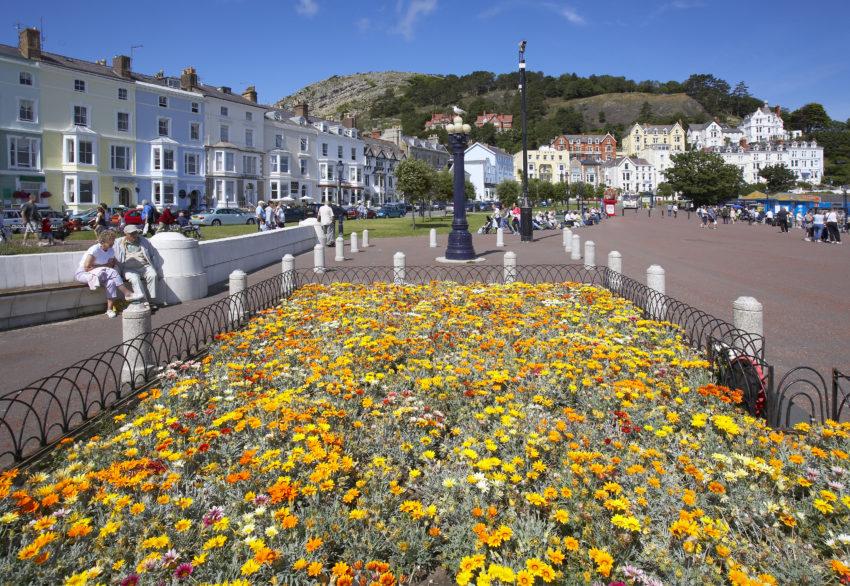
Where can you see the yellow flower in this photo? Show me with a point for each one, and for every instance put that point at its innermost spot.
(625, 522)
(250, 567)
(182, 525)
(823, 506)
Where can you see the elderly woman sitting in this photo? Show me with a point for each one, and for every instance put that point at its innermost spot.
(97, 268)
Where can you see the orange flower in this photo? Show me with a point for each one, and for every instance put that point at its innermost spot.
(716, 487)
(313, 544)
(265, 556)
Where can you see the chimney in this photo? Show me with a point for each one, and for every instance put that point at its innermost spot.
(302, 110)
(224, 89)
(349, 121)
(29, 43)
(188, 79)
(743, 143)
(778, 111)
(121, 65)
(250, 94)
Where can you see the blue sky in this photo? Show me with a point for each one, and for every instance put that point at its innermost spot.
(788, 52)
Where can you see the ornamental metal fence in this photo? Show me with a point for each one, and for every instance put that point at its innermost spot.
(36, 417)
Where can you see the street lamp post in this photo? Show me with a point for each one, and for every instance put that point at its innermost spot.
(460, 240)
(339, 169)
(526, 232)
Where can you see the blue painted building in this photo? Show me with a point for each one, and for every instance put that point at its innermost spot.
(170, 165)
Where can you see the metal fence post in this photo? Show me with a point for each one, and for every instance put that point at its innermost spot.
(575, 249)
(500, 237)
(319, 258)
(655, 280)
(432, 238)
(748, 316)
(236, 286)
(509, 272)
(354, 247)
(365, 243)
(589, 254)
(287, 271)
(138, 353)
(339, 252)
(398, 268)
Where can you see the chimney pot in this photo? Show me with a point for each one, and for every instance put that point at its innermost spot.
(302, 110)
(188, 79)
(29, 43)
(250, 94)
(121, 65)
(224, 89)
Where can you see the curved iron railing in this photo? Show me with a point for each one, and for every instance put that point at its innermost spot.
(37, 416)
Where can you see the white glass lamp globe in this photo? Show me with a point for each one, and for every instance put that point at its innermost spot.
(467, 129)
(458, 120)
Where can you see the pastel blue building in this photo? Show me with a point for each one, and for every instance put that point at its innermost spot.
(170, 164)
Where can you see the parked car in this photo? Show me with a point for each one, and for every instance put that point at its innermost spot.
(12, 220)
(295, 214)
(391, 211)
(133, 217)
(220, 216)
(312, 210)
(57, 219)
(353, 213)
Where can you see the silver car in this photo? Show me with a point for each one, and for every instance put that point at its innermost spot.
(220, 216)
(12, 220)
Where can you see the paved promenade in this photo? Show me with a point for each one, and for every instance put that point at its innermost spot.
(805, 287)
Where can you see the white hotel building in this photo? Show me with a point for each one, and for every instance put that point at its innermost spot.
(804, 158)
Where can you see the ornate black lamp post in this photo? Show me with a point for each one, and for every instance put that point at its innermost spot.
(339, 169)
(460, 240)
(526, 231)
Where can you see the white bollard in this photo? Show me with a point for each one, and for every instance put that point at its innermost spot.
(365, 243)
(354, 242)
(500, 237)
(432, 241)
(566, 237)
(589, 254)
(319, 258)
(287, 271)
(748, 315)
(398, 268)
(237, 283)
(655, 277)
(615, 269)
(135, 323)
(339, 253)
(510, 267)
(575, 250)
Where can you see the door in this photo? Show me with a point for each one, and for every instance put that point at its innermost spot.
(124, 197)
(193, 199)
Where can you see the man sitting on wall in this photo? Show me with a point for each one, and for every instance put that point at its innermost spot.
(135, 255)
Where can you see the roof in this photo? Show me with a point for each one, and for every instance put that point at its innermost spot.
(758, 195)
(493, 149)
(377, 146)
(585, 137)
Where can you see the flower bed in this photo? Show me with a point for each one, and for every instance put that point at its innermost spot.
(517, 434)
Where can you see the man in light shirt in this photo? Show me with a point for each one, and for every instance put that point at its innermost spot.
(818, 225)
(326, 220)
(260, 215)
(832, 227)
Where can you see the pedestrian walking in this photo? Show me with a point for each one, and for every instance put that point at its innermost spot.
(30, 218)
(148, 217)
(782, 220)
(832, 227)
(326, 221)
(818, 224)
(260, 215)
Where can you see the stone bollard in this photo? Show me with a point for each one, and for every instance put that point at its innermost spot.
(568, 240)
(319, 258)
(354, 242)
(237, 283)
(365, 243)
(615, 270)
(655, 277)
(500, 237)
(589, 254)
(287, 271)
(138, 353)
(510, 272)
(432, 241)
(575, 250)
(339, 253)
(748, 315)
(398, 268)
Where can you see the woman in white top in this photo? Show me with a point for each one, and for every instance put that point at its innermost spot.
(97, 269)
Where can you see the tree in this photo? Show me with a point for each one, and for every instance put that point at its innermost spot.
(645, 114)
(712, 92)
(415, 179)
(664, 190)
(809, 118)
(704, 177)
(508, 192)
(778, 177)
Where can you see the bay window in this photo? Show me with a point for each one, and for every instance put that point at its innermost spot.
(163, 193)
(230, 162)
(274, 190)
(249, 165)
(85, 152)
(163, 159)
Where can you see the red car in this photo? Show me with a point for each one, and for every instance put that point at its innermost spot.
(132, 217)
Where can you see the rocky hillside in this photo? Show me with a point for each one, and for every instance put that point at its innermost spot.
(626, 108)
(340, 93)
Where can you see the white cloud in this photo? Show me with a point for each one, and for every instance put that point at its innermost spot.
(410, 12)
(567, 12)
(363, 24)
(306, 7)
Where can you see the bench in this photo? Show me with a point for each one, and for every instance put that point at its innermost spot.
(27, 306)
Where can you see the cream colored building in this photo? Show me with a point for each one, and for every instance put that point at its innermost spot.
(645, 136)
(545, 163)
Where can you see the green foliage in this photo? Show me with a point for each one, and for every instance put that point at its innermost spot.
(836, 146)
(508, 192)
(415, 178)
(809, 118)
(708, 90)
(703, 177)
(665, 189)
(779, 178)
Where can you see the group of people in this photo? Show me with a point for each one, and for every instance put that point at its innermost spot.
(112, 260)
(270, 216)
(509, 220)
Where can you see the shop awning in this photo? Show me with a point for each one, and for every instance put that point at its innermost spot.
(33, 178)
